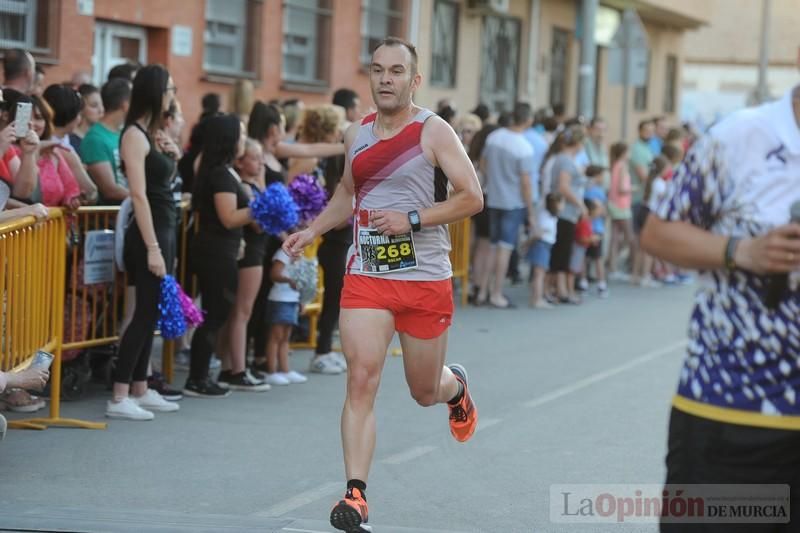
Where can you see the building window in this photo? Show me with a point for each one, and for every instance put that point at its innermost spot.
(445, 43)
(640, 93)
(306, 40)
(27, 24)
(559, 57)
(379, 19)
(671, 80)
(232, 36)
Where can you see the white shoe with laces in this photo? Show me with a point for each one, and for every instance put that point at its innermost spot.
(324, 364)
(153, 401)
(127, 408)
(339, 359)
(295, 377)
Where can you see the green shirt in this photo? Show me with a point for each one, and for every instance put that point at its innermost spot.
(641, 156)
(102, 145)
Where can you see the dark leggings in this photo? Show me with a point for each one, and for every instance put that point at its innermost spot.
(133, 356)
(218, 278)
(332, 256)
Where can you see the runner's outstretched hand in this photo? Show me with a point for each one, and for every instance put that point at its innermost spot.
(296, 242)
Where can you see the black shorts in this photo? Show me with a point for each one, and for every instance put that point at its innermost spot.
(481, 222)
(595, 251)
(562, 250)
(703, 451)
(640, 212)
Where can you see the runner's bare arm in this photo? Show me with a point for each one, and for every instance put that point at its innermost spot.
(466, 199)
(339, 209)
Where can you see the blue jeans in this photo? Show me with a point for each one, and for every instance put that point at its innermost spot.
(504, 226)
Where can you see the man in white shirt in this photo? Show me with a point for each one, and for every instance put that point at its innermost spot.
(506, 162)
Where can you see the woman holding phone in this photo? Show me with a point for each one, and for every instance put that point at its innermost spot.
(149, 161)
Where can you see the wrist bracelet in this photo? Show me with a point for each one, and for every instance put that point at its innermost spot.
(730, 250)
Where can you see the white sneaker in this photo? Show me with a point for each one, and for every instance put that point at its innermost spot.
(127, 408)
(277, 378)
(324, 364)
(339, 359)
(295, 377)
(649, 283)
(153, 401)
(619, 276)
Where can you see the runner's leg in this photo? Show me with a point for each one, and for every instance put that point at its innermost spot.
(429, 381)
(366, 334)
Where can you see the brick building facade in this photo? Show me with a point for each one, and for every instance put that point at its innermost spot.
(288, 48)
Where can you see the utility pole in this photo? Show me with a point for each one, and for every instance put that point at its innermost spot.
(626, 74)
(762, 89)
(588, 67)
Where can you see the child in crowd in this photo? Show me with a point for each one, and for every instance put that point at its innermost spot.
(283, 310)
(654, 189)
(539, 250)
(620, 199)
(596, 202)
(594, 253)
(583, 239)
(674, 154)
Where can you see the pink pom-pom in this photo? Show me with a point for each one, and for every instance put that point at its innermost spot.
(191, 314)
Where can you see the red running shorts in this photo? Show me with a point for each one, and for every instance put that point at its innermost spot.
(422, 309)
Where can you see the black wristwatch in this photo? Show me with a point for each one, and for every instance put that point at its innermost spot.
(730, 250)
(413, 218)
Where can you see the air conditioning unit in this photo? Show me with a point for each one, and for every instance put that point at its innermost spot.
(487, 7)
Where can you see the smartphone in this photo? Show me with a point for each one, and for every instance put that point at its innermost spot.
(42, 360)
(23, 119)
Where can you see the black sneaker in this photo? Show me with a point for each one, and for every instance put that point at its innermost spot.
(224, 379)
(245, 382)
(204, 389)
(259, 372)
(159, 384)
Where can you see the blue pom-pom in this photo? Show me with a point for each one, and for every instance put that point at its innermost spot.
(171, 321)
(275, 210)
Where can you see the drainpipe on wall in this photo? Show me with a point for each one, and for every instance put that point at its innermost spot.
(588, 66)
(534, 28)
(762, 89)
(413, 27)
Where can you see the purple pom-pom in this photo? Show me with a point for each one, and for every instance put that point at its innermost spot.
(191, 314)
(309, 196)
(171, 321)
(274, 209)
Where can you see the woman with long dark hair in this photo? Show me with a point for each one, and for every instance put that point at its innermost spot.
(220, 201)
(148, 159)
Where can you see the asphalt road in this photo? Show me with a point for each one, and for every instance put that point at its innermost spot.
(569, 396)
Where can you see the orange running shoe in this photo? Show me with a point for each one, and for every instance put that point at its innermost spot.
(463, 415)
(351, 513)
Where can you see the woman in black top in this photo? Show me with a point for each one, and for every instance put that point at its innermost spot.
(233, 350)
(221, 204)
(148, 157)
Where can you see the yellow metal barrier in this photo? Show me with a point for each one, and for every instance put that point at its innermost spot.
(32, 278)
(459, 255)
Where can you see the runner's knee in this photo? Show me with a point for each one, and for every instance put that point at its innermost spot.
(424, 395)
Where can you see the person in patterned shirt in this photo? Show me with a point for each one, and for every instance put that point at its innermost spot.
(736, 415)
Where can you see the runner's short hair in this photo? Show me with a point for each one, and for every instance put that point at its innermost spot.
(397, 41)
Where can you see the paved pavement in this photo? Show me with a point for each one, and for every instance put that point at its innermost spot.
(573, 395)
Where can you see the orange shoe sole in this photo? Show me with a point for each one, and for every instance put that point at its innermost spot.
(346, 518)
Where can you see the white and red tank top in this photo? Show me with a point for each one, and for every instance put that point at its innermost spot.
(394, 174)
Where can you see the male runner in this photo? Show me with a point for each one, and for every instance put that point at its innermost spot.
(398, 269)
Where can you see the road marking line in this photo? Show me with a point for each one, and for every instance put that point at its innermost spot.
(485, 423)
(300, 500)
(408, 455)
(303, 530)
(605, 374)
